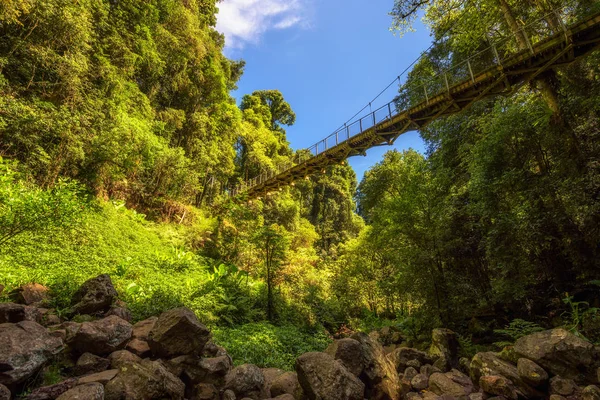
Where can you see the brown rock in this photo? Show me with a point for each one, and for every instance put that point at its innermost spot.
(429, 369)
(401, 356)
(410, 373)
(564, 387)
(142, 329)
(120, 312)
(4, 392)
(94, 296)
(24, 348)
(145, 380)
(379, 373)
(89, 363)
(420, 382)
(201, 370)
(213, 350)
(322, 377)
(228, 395)
(53, 391)
(489, 363)
(590, 392)
(558, 351)
(287, 383)
(531, 372)
(100, 377)
(30, 293)
(121, 357)
(13, 313)
(205, 391)
(103, 336)
(177, 332)
(246, 381)
(270, 375)
(498, 385)
(139, 347)
(451, 383)
(349, 352)
(89, 391)
(444, 344)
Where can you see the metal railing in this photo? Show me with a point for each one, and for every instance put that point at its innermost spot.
(420, 90)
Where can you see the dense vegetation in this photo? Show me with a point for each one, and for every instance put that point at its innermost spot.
(119, 140)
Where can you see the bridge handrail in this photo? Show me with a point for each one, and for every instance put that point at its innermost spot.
(415, 93)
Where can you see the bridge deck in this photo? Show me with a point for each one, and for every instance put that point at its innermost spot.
(383, 126)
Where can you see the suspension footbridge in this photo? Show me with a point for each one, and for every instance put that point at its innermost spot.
(498, 69)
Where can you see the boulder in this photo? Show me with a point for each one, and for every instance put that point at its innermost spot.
(4, 392)
(270, 375)
(142, 329)
(488, 363)
(453, 383)
(94, 296)
(228, 395)
(558, 351)
(13, 313)
(498, 385)
(99, 377)
(420, 382)
(410, 373)
(557, 397)
(30, 293)
(562, 386)
(120, 312)
(246, 381)
(590, 392)
(213, 350)
(531, 372)
(51, 392)
(177, 332)
(284, 397)
(379, 373)
(24, 348)
(121, 357)
(201, 370)
(139, 347)
(444, 346)
(286, 383)
(102, 337)
(349, 352)
(89, 363)
(324, 378)
(428, 369)
(401, 356)
(205, 391)
(145, 380)
(89, 391)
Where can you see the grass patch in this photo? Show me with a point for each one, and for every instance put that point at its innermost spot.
(267, 345)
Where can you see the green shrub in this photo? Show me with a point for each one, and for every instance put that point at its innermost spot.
(268, 345)
(515, 330)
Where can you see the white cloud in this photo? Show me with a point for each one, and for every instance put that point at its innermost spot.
(245, 21)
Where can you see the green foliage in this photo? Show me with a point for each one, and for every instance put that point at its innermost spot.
(580, 316)
(27, 208)
(268, 345)
(515, 330)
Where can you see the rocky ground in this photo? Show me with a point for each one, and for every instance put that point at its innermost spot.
(172, 357)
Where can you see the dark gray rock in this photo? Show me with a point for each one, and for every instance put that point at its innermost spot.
(379, 373)
(89, 391)
(89, 363)
(246, 381)
(531, 372)
(559, 352)
(102, 337)
(562, 386)
(24, 348)
(145, 380)
(349, 352)
(13, 313)
(177, 332)
(324, 378)
(94, 296)
(498, 385)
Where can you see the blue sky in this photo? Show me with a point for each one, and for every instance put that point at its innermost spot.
(329, 58)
